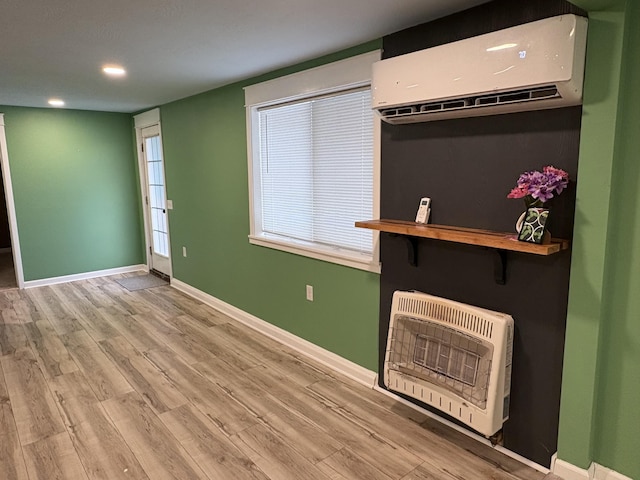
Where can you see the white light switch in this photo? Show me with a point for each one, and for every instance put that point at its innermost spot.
(169, 204)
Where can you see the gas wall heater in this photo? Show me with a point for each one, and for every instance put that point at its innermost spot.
(451, 356)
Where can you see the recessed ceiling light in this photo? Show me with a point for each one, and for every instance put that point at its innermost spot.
(114, 70)
(56, 102)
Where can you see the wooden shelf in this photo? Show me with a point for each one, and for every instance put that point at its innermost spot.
(469, 236)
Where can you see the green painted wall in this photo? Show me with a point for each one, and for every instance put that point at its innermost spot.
(601, 391)
(617, 423)
(590, 237)
(74, 179)
(206, 164)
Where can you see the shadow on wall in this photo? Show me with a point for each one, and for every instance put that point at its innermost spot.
(5, 236)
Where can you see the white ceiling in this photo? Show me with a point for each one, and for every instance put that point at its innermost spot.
(176, 48)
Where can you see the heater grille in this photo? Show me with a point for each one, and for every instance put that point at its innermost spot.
(453, 356)
(443, 357)
(446, 311)
(439, 354)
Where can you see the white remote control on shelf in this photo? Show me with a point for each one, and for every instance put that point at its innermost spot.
(424, 210)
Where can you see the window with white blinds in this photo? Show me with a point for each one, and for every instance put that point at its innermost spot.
(316, 170)
(313, 169)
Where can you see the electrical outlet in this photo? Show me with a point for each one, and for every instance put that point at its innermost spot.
(310, 293)
(184, 251)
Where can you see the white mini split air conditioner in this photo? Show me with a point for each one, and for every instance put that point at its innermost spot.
(534, 66)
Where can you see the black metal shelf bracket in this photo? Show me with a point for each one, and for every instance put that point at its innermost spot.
(499, 257)
(500, 266)
(412, 248)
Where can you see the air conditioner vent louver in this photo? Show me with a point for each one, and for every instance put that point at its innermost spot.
(504, 98)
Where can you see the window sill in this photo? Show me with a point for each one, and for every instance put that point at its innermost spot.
(360, 262)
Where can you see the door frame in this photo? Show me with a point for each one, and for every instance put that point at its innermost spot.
(11, 206)
(143, 120)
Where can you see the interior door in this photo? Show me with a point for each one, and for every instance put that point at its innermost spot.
(156, 201)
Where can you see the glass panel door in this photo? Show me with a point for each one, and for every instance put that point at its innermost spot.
(156, 203)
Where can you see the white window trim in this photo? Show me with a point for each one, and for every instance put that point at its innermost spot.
(345, 74)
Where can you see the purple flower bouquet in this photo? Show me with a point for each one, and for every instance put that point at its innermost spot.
(537, 187)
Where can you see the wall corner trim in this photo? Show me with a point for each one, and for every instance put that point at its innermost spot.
(568, 471)
(335, 362)
(84, 276)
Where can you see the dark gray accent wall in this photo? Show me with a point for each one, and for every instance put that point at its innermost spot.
(468, 166)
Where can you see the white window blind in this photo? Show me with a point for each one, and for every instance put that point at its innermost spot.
(316, 170)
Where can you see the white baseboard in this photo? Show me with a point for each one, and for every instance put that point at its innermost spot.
(604, 473)
(83, 276)
(327, 358)
(568, 471)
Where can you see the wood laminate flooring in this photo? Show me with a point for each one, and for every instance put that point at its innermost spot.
(101, 383)
(7, 272)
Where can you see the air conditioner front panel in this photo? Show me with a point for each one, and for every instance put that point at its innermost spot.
(548, 52)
